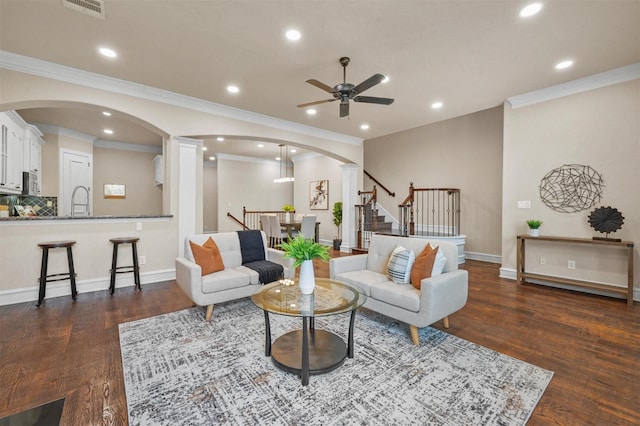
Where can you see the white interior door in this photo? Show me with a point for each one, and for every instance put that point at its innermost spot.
(76, 176)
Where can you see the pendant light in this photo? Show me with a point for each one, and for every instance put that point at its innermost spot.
(284, 165)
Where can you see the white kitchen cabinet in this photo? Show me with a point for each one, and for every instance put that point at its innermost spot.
(33, 143)
(12, 160)
(158, 166)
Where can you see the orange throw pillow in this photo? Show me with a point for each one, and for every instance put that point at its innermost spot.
(207, 256)
(423, 265)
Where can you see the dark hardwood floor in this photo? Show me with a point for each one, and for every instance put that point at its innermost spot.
(592, 343)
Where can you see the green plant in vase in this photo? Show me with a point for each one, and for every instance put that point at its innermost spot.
(337, 221)
(534, 226)
(303, 251)
(288, 208)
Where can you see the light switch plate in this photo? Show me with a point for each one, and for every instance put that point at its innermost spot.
(524, 204)
(138, 226)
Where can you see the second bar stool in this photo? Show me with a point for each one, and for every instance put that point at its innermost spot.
(115, 269)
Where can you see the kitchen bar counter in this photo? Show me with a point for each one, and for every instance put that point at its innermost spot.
(99, 217)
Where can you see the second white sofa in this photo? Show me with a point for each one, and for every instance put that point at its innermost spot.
(439, 296)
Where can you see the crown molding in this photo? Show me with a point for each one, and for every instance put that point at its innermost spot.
(596, 81)
(28, 65)
(63, 131)
(233, 157)
(126, 146)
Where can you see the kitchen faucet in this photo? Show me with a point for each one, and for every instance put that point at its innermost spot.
(74, 204)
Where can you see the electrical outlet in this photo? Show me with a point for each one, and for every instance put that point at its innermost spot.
(543, 261)
(142, 260)
(138, 226)
(571, 264)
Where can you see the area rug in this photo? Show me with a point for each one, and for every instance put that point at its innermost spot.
(182, 370)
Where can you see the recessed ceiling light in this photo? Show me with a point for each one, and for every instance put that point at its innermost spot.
(233, 89)
(564, 64)
(260, 145)
(109, 53)
(311, 111)
(385, 80)
(293, 35)
(106, 113)
(108, 131)
(292, 150)
(204, 148)
(220, 139)
(437, 105)
(212, 158)
(277, 158)
(364, 126)
(530, 10)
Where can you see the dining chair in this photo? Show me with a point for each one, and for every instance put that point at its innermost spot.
(276, 230)
(308, 227)
(266, 227)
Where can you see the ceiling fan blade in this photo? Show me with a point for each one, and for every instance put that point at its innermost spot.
(320, 85)
(344, 109)
(316, 103)
(373, 100)
(368, 83)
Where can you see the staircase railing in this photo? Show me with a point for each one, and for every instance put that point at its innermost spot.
(238, 221)
(366, 217)
(430, 212)
(391, 194)
(251, 218)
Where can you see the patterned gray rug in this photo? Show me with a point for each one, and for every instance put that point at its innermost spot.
(182, 370)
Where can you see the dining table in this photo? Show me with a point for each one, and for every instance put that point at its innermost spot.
(290, 226)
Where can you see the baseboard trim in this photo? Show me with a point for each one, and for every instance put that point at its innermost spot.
(483, 257)
(60, 289)
(512, 275)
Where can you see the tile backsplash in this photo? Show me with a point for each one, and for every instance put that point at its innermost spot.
(43, 206)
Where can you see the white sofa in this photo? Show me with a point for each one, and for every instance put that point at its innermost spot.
(234, 282)
(438, 297)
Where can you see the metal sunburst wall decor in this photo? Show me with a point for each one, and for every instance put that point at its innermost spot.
(606, 220)
(571, 188)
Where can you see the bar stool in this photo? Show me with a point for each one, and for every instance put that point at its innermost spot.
(44, 278)
(124, 269)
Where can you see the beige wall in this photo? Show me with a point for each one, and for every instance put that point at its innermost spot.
(464, 153)
(315, 168)
(599, 128)
(50, 166)
(210, 198)
(248, 184)
(133, 169)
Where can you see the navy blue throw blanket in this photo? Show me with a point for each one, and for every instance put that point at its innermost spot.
(252, 249)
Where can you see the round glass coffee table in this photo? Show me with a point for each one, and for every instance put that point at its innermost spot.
(308, 351)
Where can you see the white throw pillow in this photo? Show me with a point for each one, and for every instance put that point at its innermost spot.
(400, 264)
(439, 263)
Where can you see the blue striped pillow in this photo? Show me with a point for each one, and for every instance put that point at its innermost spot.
(400, 264)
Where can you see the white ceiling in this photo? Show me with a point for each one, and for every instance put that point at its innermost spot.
(470, 54)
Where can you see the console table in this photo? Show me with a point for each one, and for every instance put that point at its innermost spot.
(523, 275)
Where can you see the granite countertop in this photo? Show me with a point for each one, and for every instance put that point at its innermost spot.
(99, 217)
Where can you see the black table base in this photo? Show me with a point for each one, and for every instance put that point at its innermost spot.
(308, 351)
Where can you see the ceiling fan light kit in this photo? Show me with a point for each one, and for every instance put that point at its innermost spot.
(345, 92)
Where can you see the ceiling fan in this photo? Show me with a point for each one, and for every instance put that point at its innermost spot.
(345, 91)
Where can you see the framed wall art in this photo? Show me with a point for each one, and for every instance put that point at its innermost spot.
(319, 195)
(112, 191)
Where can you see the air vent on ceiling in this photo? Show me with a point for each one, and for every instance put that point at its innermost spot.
(93, 8)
